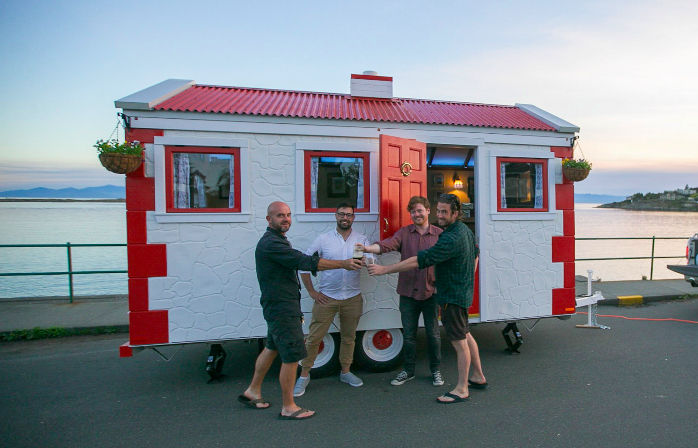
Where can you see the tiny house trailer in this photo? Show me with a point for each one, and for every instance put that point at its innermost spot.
(215, 157)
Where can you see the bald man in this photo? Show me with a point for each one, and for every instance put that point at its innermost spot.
(277, 273)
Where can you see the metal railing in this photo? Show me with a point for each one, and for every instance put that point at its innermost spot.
(70, 272)
(651, 257)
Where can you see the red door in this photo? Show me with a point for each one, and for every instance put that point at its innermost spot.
(403, 174)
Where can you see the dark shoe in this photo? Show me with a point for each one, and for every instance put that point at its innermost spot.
(402, 378)
(474, 385)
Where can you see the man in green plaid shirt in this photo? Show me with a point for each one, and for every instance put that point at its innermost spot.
(455, 257)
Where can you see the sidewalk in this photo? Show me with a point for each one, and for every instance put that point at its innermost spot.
(112, 311)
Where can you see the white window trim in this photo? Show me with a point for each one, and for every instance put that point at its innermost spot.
(161, 215)
(550, 215)
(303, 216)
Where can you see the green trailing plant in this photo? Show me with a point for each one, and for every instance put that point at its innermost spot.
(576, 163)
(114, 147)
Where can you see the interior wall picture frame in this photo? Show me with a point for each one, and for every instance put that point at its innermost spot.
(438, 180)
(435, 198)
(337, 186)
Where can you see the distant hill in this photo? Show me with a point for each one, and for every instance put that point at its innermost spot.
(104, 192)
(597, 198)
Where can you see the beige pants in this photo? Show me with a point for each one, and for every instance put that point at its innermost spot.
(350, 311)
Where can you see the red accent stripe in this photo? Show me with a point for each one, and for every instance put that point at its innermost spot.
(147, 260)
(564, 196)
(569, 275)
(138, 294)
(563, 249)
(140, 193)
(136, 229)
(149, 327)
(373, 77)
(562, 152)
(125, 351)
(563, 301)
(568, 222)
(143, 135)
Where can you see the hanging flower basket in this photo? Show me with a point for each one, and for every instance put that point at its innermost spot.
(120, 158)
(575, 170)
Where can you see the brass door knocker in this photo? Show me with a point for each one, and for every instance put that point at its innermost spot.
(406, 168)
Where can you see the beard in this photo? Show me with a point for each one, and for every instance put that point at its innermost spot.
(344, 225)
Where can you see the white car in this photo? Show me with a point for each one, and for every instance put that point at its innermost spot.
(690, 270)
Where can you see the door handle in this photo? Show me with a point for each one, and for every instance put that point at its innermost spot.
(386, 225)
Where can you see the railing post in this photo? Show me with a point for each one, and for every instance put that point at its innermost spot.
(652, 263)
(70, 272)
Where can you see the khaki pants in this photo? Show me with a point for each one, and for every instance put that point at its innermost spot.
(350, 311)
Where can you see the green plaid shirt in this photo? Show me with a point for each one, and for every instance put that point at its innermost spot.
(454, 257)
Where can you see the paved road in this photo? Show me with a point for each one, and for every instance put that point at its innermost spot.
(634, 385)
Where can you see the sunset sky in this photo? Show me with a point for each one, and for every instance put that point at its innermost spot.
(625, 72)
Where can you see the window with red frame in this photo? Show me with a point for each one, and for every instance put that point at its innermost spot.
(334, 177)
(202, 179)
(522, 185)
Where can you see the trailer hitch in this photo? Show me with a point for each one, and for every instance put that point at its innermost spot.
(214, 363)
(512, 347)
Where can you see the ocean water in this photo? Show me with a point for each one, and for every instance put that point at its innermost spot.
(105, 223)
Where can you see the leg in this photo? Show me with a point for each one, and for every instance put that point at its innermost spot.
(287, 378)
(478, 375)
(430, 310)
(261, 367)
(323, 315)
(463, 355)
(455, 320)
(350, 312)
(409, 313)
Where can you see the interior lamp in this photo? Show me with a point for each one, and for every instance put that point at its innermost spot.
(457, 183)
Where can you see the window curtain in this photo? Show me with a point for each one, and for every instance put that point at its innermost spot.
(538, 199)
(314, 168)
(181, 181)
(502, 183)
(360, 185)
(200, 193)
(231, 195)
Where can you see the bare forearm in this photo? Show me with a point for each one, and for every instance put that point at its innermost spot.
(307, 282)
(326, 265)
(404, 265)
(373, 248)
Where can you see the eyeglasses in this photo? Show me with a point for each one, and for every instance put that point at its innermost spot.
(343, 215)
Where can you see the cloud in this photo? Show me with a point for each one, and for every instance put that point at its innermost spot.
(20, 176)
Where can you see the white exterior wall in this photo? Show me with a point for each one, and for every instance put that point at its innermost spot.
(211, 290)
(517, 254)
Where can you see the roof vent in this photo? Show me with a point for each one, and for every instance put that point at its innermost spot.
(370, 85)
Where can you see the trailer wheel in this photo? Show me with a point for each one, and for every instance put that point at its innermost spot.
(379, 350)
(327, 361)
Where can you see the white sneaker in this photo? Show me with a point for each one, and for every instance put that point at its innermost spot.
(301, 384)
(438, 379)
(350, 379)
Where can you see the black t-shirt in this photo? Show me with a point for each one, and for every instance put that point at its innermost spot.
(277, 272)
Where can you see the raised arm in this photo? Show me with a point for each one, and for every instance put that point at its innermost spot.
(404, 265)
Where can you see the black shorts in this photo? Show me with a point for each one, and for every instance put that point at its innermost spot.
(285, 335)
(455, 321)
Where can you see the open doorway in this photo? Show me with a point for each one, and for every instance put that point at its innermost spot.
(451, 169)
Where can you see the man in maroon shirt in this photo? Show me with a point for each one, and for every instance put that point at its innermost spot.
(416, 289)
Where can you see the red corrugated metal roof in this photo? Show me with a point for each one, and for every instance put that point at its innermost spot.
(281, 103)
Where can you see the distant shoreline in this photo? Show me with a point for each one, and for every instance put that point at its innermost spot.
(654, 206)
(60, 200)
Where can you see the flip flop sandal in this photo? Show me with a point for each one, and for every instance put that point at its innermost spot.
(295, 415)
(456, 398)
(253, 403)
(474, 385)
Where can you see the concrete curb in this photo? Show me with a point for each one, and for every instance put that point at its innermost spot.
(638, 300)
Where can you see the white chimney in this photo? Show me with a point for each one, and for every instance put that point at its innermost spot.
(370, 85)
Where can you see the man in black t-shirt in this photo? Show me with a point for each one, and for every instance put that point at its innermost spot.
(277, 265)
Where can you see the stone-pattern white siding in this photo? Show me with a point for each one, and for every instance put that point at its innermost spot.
(520, 273)
(211, 290)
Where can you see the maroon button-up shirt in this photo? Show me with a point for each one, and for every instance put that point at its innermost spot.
(417, 283)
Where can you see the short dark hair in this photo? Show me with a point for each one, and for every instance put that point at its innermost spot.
(452, 200)
(345, 205)
(414, 200)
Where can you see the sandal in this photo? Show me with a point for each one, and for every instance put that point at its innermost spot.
(253, 403)
(456, 398)
(295, 415)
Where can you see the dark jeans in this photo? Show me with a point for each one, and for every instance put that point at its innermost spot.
(410, 310)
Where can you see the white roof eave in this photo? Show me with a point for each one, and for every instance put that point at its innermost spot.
(558, 123)
(150, 97)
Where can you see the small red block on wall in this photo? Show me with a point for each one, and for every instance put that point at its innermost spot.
(125, 351)
(568, 222)
(564, 301)
(569, 275)
(140, 193)
(143, 135)
(138, 294)
(147, 260)
(564, 196)
(563, 249)
(562, 152)
(148, 327)
(136, 231)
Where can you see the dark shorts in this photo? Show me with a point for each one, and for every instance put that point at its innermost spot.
(285, 335)
(455, 321)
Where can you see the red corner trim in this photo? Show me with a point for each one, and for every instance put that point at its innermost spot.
(373, 78)
(149, 327)
(125, 351)
(563, 249)
(563, 301)
(562, 152)
(569, 274)
(147, 260)
(140, 193)
(143, 135)
(138, 294)
(564, 196)
(568, 222)
(136, 230)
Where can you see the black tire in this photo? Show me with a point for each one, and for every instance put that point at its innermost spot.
(370, 358)
(694, 283)
(327, 362)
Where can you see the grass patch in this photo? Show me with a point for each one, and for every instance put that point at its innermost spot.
(53, 332)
